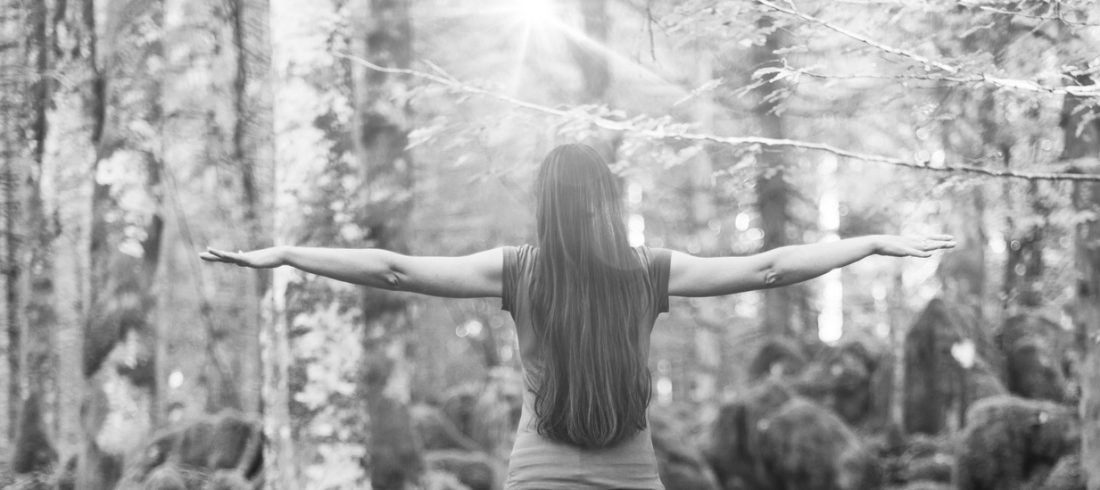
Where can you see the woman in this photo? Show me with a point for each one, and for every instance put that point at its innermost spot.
(584, 303)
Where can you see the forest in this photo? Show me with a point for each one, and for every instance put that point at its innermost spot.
(136, 133)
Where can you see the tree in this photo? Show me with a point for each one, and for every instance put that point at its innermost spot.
(125, 243)
(251, 143)
(9, 178)
(41, 318)
(773, 191)
(384, 204)
(1081, 126)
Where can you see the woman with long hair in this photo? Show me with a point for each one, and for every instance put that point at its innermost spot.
(584, 303)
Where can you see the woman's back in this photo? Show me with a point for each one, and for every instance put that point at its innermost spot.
(540, 462)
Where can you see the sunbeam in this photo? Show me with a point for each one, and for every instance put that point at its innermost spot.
(544, 31)
(622, 62)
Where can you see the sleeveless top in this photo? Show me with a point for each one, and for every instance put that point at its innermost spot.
(541, 463)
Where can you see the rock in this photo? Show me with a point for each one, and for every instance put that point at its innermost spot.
(1038, 357)
(479, 471)
(927, 459)
(778, 356)
(441, 480)
(227, 480)
(1009, 441)
(938, 387)
(436, 431)
(680, 464)
(854, 380)
(1066, 475)
(214, 446)
(166, 477)
(488, 413)
(772, 439)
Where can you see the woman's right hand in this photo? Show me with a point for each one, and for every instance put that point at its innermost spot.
(912, 246)
(264, 258)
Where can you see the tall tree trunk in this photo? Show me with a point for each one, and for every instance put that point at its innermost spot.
(250, 152)
(95, 470)
(381, 135)
(1084, 142)
(66, 206)
(9, 178)
(773, 191)
(34, 451)
(121, 302)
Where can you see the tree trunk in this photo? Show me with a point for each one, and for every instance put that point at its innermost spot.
(381, 135)
(95, 470)
(1084, 142)
(250, 150)
(40, 382)
(121, 300)
(773, 191)
(9, 178)
(10, 63)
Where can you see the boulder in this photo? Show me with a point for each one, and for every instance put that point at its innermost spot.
(939, 383)
(771, 438)
(680, 463)
(476, 470)
(1038, 358)
(1010, 443)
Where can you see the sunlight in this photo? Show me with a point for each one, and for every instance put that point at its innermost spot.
(521, 58)
(615, 58)
(535, 11)
(541, 30)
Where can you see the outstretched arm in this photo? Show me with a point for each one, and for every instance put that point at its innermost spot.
(471, 276)
(716, 276)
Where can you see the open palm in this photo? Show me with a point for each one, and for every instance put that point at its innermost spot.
(264, 258)
(913, 246)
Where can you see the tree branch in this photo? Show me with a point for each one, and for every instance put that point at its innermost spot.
(736, 141)
(959, 75)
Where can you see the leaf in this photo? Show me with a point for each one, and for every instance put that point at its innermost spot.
(759, 74)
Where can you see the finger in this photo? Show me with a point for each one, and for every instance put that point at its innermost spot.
(934, 244)
(228, 256)
(916, 252)
(215, 259)
(942, 237)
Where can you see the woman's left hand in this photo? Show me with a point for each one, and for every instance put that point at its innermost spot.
(264, 258)
(912, 246)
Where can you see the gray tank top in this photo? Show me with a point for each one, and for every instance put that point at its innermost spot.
(538, 462)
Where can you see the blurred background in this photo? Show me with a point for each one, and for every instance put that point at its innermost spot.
(137, 132)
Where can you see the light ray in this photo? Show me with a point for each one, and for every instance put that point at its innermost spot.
(521, 61)
(587, 42)
(539, 28)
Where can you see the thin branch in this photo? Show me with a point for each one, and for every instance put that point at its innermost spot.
(736, 141)
(928, 77)
(1060, 18)
(960, 74)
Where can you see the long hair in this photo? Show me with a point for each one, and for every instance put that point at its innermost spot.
(589, 293)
